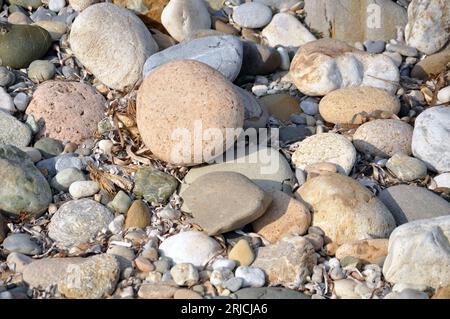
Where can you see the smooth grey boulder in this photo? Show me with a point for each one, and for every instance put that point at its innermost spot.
(222, 53)
(23, 187)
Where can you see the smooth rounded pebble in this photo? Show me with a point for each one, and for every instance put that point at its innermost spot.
(383, 138)
(345, 210)
(224, 201)
(252, 15)
(183, 18)
(171, 106)
(112, 43)
(190, 247)
(80, 189)
(430, 138)
(326, 147)
(343, 106)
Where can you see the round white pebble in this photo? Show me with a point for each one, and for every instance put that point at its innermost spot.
(251, 276)
(82, 189)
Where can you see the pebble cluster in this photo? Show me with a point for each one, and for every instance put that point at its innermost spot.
(351, 201)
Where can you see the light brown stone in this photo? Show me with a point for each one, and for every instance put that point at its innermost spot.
(342, 106)
(138, 215)
(242, 253)
(442, 293)
(384, 138)
(281, 105)
(156, 291)
(70, 110)
(285, 216)
(431, 65)
(372, 251)
(287, 262)
(345, 210)
(178, 96)
(186, 294)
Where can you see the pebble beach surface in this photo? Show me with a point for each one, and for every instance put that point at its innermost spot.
(120, 178)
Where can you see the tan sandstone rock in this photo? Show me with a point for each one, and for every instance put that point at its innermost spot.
(384, 138)
(345, 210)
(285, 216)
(180, 98)
(343, 106)
(372, 251)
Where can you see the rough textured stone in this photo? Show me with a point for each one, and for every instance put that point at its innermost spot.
(46, 272)
(222, 53)
(80, 5)
(190, 247)
(345, 210)
(77, 108)
(408, 203)
(269, 293)
(428, 24)
(266, 167)
(224, 201)
(13, 132)
(383, 138)
(372, 251)
(22, 44)
(182, 18)
(326, 147)
(429, 265)
(170, 105)
(342, 106)
(95, 278)
(288, 262)
(355, 20)
(153, 185)
(430, 138)
(325, 65)
(24, 188)
(77, 221)
(112, 43)
(285, 216)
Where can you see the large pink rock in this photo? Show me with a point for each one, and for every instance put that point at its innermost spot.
(70, 110)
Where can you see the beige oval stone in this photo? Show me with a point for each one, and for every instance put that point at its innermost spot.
(372, 251)
(345, 210)
(342, 106)
(285, 216)
(242, 253)
(326, 147)
(183, 97)
(384, 138)
(138, 215)
(69, 110)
